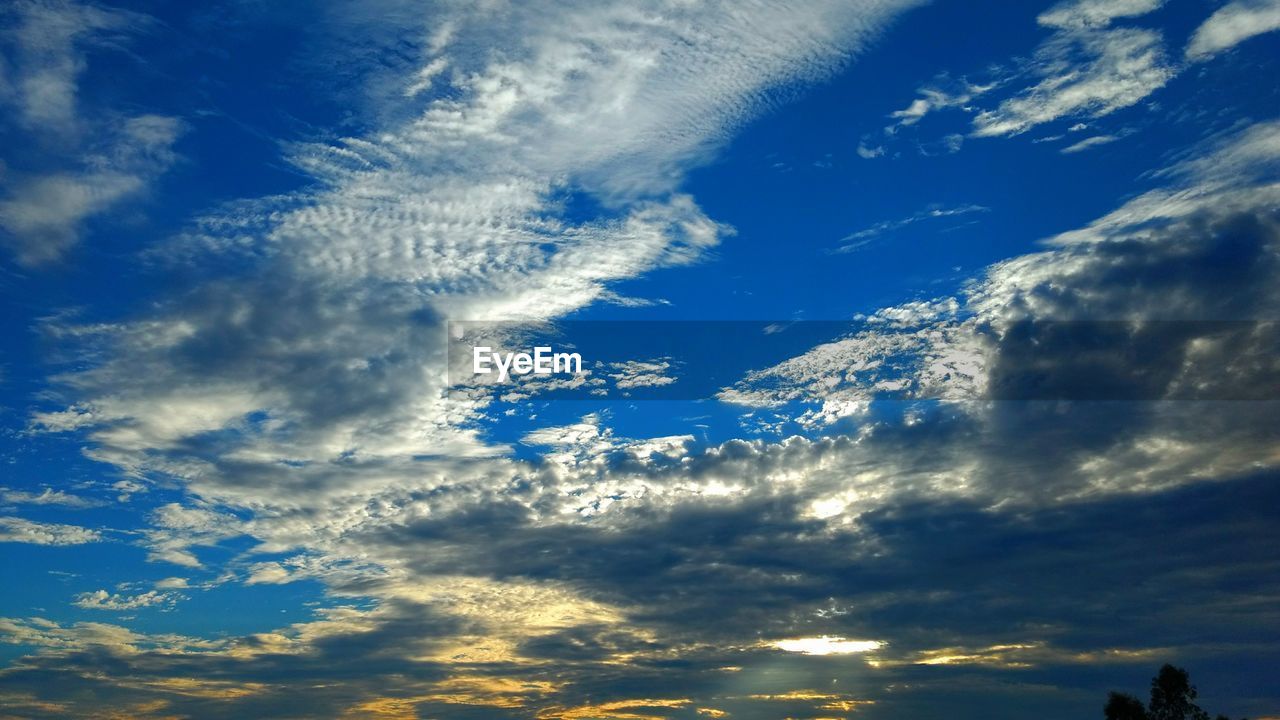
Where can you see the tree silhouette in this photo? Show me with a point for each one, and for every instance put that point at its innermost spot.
(1173, 697)
(1124, 707)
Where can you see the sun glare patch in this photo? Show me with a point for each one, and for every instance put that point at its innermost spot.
(828, 645)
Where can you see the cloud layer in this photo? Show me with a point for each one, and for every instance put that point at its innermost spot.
(293, 413)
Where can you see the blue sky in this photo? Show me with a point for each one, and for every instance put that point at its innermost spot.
(991, 433)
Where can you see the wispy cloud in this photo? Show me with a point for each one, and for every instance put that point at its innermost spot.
(1089, 142)
(869, 152)
(1086, 14)
(47, 496)
(943, 94)
(1231, 25)
(862, 238)
(82, 161)
(1087, 68)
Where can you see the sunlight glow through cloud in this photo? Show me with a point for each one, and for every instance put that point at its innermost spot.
(828, 645)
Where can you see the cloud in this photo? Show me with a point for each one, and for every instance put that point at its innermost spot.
(47, 40)
(322, 353)
(1231, 25)
(312, 373)
(638, 373)
(268, 574)
(861, 238)
(300, 408)
(176, 529)
(47, 496)
(948, 145)
(943, 94)
(1089, 142)
(1086, 72)
(1084, 14)
(82, 161)
(305, 392)
(827, 645)
(13, 529)
(42, 633)
(775, 580)
(649, 551)
(870, 152)
(103, 600)
(1130, 277)
(1087, 68)
(1233, 174)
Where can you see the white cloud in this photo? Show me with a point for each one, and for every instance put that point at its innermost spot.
(47, 496)
(1231, 25)
(48, 40)
(1083, 14)
(47, 634)
(1234, 174)
(1087, 68)
(943, 94)
(1089, 142)
(268, 573)
(638, 373)
(19, 530)
(860, 238)
(927, 355)
(86, 160)
(1089, 73)
(938, 349)
(103, 600)
(913, 112)
(177, 528)
(868, 152)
